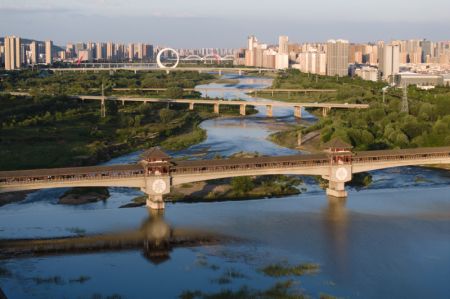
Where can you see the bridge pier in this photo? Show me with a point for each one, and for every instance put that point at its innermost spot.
(240, 72)
(336, 189)
(102, 108)
(216, 108)
(242, 109)
(298, 111)
(325, 111)
(155, 202)
(191, 106)
(269, 110)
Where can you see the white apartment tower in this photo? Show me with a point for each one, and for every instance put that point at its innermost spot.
(389, 61)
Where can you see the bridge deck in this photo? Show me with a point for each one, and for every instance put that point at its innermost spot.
(225, 102)
(220, 165)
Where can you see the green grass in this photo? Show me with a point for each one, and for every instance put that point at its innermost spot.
(179, 142)
(283, 269)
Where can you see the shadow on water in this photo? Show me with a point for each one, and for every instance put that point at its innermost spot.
(156, 238)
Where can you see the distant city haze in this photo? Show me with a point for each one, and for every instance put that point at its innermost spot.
(206, 23)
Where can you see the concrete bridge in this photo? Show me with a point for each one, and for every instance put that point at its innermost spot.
(156, 173)
(151, 67)
(254, 91)
(326, 107)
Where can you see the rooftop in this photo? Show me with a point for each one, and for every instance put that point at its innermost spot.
(337, 143)
(155, 153)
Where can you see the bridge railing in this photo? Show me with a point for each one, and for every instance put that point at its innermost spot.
(366, 157)
(37, 179)
(248, 166)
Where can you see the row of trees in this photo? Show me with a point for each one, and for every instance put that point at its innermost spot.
(381, 126)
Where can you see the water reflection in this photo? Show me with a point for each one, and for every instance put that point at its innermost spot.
(155, 237)
(336, 225)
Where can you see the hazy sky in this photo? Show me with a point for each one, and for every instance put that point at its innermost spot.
(212, 23)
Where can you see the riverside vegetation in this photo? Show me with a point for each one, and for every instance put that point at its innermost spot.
(50, 129)
(383, 125)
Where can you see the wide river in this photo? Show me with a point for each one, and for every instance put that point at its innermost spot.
(390, 240)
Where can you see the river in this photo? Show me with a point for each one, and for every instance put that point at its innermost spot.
(390, 240)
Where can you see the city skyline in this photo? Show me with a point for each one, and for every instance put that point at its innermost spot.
(199, 24)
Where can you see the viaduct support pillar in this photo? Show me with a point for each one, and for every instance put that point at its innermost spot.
(216, 108)
(155, 202)
(269, 110)
(325, 111)
(103, 108)
(240, 72)
(242, 109)
(298, 111)
(191, 106)
(336, 189)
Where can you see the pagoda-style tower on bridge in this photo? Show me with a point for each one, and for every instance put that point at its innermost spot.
(156, 165)
(340, 155)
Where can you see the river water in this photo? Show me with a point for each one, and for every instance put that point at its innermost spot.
(390, 240)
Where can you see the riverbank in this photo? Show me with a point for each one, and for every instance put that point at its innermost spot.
(241, 188)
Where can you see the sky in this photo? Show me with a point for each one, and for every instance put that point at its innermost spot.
(212, 23)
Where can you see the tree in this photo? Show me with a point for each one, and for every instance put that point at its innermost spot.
(166, 115)
(175, 92)
(242, 185)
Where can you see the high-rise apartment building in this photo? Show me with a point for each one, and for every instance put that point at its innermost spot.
(110, 51)
(13, 56)
(337, 58)
(389, 64)
(2, 54)
(313, 62)
(131, 52)
(34, 52)
(283, 44)
(48, 52)
(100, 50)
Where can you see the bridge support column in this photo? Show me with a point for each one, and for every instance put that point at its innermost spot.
(103, 108)
(336, 189)
(325, 111)
(240, 73)
(191, 106)
(155, 202)
(242, 109)
(269, 110)
(216, 108)
(220, 72)
(298, 111)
